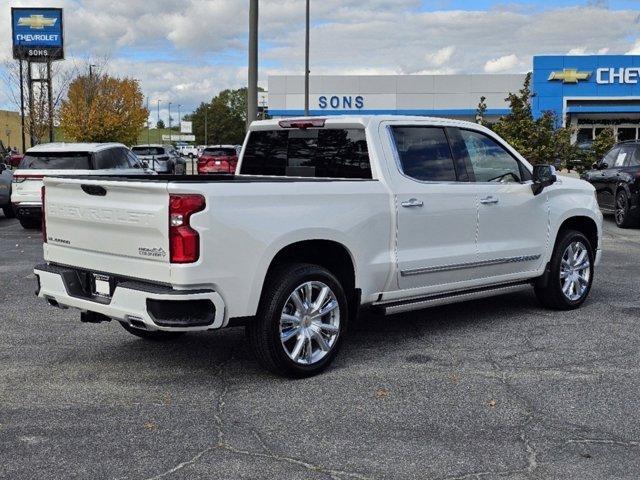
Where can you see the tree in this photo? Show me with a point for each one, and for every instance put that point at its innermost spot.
(481, 111)
(603, 142)
(102, 108)
(160, 124)
(225, 115)
(37, 114)
(539, 140)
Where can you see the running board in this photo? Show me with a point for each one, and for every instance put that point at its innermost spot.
(419, 303)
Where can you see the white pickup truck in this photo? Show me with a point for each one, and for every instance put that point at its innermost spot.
(324, 217)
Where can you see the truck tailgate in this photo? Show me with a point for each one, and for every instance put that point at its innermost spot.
(109, 226)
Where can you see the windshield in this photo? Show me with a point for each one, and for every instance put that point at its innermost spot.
(56, 161)
(148, 150)
(220, 152)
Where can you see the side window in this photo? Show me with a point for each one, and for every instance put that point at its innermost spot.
(121, 158)
(625, 153)
(489, 160)
(611, 157)
(424, 153)
(132, 159)
(634, 159)
(104, 159)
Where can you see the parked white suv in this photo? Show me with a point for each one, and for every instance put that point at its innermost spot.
(325, 217)
(68, 159)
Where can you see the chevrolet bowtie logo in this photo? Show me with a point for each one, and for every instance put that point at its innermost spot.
(570, 75)
(37, 22)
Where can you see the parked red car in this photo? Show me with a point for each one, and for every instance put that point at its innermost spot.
(218, 159)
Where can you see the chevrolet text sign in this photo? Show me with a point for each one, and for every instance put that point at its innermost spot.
(629, 76)
(37, 34)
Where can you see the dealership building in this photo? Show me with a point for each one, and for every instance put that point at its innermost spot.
(586, 92)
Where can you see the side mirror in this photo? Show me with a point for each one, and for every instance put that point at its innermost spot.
(543, 176)
(603, 165)
(145, 164)
(3, 167)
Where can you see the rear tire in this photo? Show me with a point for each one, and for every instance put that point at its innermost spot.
(301, 321)
(30, 223)
(621, 212)
(570, 273)
(9, 212)
(153, 335)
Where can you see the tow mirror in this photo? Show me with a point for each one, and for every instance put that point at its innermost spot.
(543, 176)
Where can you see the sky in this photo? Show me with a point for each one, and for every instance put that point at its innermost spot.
(186, 51)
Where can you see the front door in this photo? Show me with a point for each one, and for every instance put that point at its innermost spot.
(513, 223)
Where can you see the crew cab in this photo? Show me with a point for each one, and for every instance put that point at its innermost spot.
(68, 158)
(324, 218)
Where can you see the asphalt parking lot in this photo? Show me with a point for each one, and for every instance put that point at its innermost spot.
(497, 388)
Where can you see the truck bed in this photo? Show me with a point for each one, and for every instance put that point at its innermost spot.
(218, 178)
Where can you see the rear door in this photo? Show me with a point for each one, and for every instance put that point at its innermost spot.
(436, 208)
(118, 227)
(601, 179)
(513, 222)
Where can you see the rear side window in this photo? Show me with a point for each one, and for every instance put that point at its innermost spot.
(56, 161)
(634, 160)
(323, 153)
(611, 157)
(111, 158)
(424, 153)
(220, 152)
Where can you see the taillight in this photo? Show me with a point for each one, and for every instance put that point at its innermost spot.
(43, 217)
(184, 241)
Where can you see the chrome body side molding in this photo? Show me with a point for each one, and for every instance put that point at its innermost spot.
(460, 266)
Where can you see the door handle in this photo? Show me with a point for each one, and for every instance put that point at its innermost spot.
(412, 202)
(489, 200)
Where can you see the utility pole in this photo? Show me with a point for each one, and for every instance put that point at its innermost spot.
(206, 131)
(252, 90)
(179, 122)
(50, 101)
(306, 62)
(158, 121)
(170, 137)
(22, 107)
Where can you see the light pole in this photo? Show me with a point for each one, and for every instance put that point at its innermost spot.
(158, 121)
(179, 122)
(206, 131)
(252, 90)
(170, 137)
(306, 61)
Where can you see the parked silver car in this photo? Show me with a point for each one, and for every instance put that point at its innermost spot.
(160, 158)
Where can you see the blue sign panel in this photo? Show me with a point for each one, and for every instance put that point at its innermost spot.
(37, 34)
(566, 84)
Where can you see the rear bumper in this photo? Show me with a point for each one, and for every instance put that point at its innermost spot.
(141, 304)
(28, 209)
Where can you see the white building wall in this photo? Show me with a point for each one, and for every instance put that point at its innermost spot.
(420, 94)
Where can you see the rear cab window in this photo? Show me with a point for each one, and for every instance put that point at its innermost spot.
(311, 152)
(56, 161)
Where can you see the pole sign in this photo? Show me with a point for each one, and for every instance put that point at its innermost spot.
(186, 127)
(37, 34)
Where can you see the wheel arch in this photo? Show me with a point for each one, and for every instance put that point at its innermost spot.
(330, 254)
(583, 224)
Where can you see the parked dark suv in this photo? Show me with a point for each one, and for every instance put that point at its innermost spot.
(616, 178)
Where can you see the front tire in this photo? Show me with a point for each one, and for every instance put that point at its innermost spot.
(301, 321)
(570, 273)
(153, 335)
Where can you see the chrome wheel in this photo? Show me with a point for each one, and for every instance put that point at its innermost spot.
(621, 208)
(310, 323)
(575, 271)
